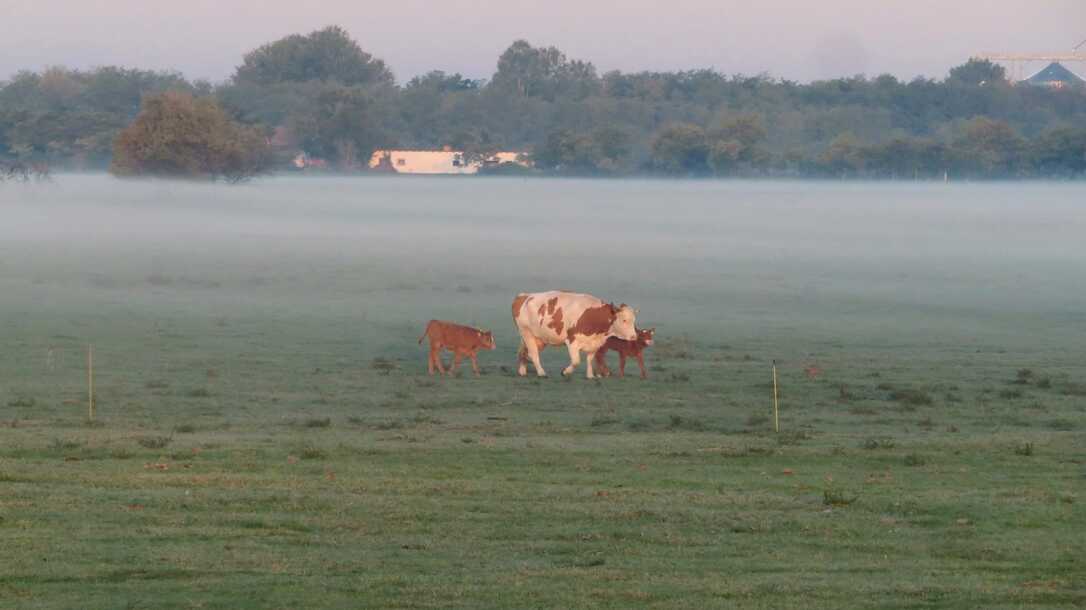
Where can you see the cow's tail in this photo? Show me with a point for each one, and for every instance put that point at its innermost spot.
(426, 332)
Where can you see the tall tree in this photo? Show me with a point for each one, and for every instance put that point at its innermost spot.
(978, 72)
(328, 55)
(527, 71)
(341, 126)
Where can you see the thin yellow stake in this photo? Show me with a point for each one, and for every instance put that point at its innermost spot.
(776, 400)
(90, 382)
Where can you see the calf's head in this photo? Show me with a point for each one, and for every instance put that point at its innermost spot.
(487, 339)
(645, 335)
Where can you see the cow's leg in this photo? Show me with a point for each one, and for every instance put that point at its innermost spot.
(457, 356)
(574, 360)
(588, 364)
(430, 361)
(641, 363)
(532, 351)
(522, 359)
(475, 363)
(622, 365)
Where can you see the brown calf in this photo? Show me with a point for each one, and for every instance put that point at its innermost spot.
(460, 340)
(625, 349)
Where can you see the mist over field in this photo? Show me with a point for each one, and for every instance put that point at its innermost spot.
(741, 257)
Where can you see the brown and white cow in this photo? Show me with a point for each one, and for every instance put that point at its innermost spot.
(460, 340)
(581, 322)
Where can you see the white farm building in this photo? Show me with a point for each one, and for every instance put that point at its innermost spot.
(437, 161)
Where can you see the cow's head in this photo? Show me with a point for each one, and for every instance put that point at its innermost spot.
(623, 325)
(488, 339)
(644, 335)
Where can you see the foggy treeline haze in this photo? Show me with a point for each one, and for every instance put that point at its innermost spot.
(331, 95)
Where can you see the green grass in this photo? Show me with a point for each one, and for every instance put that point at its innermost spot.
(505, 492)
(278, 444)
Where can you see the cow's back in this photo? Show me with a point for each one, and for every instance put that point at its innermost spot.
(550, 316)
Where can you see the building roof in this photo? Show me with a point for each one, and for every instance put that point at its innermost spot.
(1054, 75)
(432, 161)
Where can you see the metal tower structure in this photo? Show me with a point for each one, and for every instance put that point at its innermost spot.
(1017, 62)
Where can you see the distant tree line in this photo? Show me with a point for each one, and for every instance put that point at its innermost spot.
(323, 95)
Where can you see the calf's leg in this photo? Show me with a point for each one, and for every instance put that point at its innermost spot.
(438, 362)
(601, 363)
(641, 363)
(435, 359)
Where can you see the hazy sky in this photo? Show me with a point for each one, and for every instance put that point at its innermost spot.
(800, 40)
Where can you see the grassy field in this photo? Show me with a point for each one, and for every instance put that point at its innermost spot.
(266, 437)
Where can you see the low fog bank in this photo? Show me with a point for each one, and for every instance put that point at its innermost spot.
(723, 250)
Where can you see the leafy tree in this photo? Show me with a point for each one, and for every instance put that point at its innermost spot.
(341, 126)
(328, 55)
(432, 108)
(904, 157)
(476, 145)
(177, 135)
(614, 148)
(843, 156)
(978, 72)
(527, 71)
(604, 150)
(1060, 152)
(71, 117)
(988, 148)
(735, 143)
(438, 82)
(681, 149)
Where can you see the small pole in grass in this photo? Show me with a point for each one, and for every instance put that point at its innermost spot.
(90, 382)
(776, 408)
